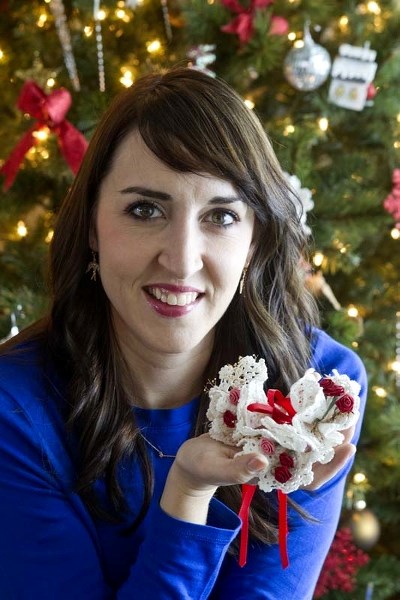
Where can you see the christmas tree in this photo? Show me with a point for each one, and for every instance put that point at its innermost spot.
(323, 77)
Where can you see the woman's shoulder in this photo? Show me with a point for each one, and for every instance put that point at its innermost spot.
(20, 365)
(329, 354)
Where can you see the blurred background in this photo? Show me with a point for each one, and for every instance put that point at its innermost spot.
(324, 78)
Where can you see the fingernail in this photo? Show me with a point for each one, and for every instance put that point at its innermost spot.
(256, 464)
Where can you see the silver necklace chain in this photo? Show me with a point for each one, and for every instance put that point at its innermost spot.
(156, 449)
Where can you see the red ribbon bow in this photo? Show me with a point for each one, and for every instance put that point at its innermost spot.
(50, 111)
(242, 25)
(278, 406)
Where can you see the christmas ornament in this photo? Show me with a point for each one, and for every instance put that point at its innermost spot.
(57, 9)
(50, 111)
(302, 198)
(307, 67)
(38, 72)
(352, 74)
(243, 24)
(317, 284)
(341, 565)
(292, 431)
(201, 56)
(99, 46)
(365, 528)
(392, 201)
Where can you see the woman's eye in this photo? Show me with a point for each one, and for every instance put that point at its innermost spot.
(144, 210)
(224, 218)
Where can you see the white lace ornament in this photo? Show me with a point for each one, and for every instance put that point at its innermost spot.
(293, 432)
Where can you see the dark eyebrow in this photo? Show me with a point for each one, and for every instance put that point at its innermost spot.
(163, 196)
(146, 192)
(225, 199)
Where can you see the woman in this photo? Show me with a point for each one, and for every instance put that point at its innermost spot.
(175, 252)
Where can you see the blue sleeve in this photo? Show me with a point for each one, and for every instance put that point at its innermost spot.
(263, 577)
(48, 543)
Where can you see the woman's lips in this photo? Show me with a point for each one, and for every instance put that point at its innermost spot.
(172, 301)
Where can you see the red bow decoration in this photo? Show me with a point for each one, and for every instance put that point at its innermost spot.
(280, 409)
(50, 111)
(392, 202)
(242, 25)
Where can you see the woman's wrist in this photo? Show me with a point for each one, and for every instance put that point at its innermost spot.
(183, 501)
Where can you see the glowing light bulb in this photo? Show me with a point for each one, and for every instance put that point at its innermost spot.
(249, 103)
(360, 504)
(291, 36)
(395, 366)
(51, 82)
(343, 21)
(298, 44)
(359, 478)
(374, 7)
(154, 46)
(1, 54)
(395, 233)
(396, 145)
(101, 15)
(380, 392)
(318, 259)
(127, 78)
(49, 236)
(289, 129)
(352, 311)
(398, 118)
(323, 123)
(21, 229)
(42, 134)
(88, 30)
(41, 20)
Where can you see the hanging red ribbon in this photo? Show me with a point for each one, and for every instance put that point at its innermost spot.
(248, 491)
(247, 496)
(50, 111)
(283, 528)
(280, 409)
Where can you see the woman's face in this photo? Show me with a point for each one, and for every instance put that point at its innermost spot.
(172, 247)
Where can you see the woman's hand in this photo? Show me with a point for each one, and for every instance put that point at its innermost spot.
(201, 466)
(343, 453)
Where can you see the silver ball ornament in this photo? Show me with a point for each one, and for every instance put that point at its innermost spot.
(307, 67)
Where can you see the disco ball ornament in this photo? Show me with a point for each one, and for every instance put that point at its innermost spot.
(307, 67)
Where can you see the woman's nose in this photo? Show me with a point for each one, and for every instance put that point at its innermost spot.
(182, 250)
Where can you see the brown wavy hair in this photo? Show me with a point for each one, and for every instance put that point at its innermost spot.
(193, 123)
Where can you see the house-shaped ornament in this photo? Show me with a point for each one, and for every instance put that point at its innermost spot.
(352, 74)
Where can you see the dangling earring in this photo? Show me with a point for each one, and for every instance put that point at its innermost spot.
(93, 267)
(242, 280)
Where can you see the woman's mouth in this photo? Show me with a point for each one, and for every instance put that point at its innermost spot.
(173, 298)
(171, 302)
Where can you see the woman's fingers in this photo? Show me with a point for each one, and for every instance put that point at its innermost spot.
(204, 462)
(323, 473)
